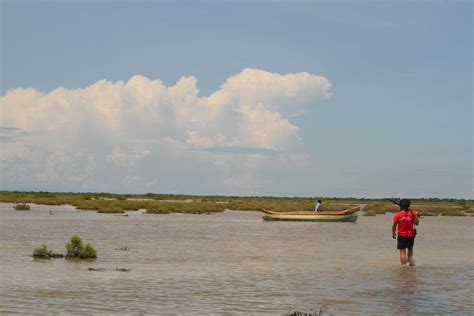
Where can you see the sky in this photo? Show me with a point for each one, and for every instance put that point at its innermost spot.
(284, 98)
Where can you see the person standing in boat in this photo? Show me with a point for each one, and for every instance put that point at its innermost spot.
(405, 221)
(317, 208)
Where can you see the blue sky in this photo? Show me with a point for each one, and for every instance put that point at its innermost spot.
(396, 121)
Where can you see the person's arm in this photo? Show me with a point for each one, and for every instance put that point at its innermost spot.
(415, 218)
(394, 228)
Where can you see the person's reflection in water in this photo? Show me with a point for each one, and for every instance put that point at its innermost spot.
(404, 281)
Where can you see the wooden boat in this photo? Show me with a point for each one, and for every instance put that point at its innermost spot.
(349, 215)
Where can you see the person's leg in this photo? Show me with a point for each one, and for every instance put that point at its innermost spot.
(410, 256)
(403, 256)
(402, 248)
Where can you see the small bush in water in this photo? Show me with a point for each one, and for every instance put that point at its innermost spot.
(88, 252)
(22, 207)
(76, 249)
(44, 253)
(41, 252)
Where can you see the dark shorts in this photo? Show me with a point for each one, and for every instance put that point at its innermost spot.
(405, 242)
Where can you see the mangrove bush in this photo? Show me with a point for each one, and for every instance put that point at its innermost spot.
(44, 253)
(76, 249)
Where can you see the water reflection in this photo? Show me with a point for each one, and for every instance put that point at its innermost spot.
(404, 281)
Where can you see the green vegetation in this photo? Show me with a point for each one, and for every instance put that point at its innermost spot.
(44, 253)
(97, 269)
(122, 269)
(381, 207)
(123, 248)
(104, 269)
(192, 204)
(111, 209)
(323, 310)
(41, 252)
(22, 207)
(76, 249)
(190, 208)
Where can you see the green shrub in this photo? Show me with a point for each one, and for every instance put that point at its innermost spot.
(445, 210)
(76, 249)
(44, 253)
(156, 207)
(426, 213)
(453, 212)
(22, 207)
(90, 205)
(381, 207)
(286, 205)
(110, 206)
(335, 207)
(112, 209)
(88, 252)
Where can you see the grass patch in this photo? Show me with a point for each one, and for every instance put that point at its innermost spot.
(289, 205)
(156, 207)
(111, 209)
(426, 214)
(381, 207)
(22, 207)
(453, 212)
(444, 210)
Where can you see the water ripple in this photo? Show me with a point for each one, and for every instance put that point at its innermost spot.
(230, 263)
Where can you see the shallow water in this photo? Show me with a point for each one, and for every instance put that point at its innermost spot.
(231, 263)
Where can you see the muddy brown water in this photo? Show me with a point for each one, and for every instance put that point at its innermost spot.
(231, 263)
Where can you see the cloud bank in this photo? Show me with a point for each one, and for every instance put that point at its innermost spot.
(140, 135)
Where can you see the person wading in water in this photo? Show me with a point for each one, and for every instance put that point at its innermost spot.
(404, 220)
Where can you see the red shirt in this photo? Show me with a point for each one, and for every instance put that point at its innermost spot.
(405, 223)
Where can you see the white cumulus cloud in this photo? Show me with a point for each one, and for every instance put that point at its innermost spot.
(80, 135)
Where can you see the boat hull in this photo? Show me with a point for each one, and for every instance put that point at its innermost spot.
(345, 216)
